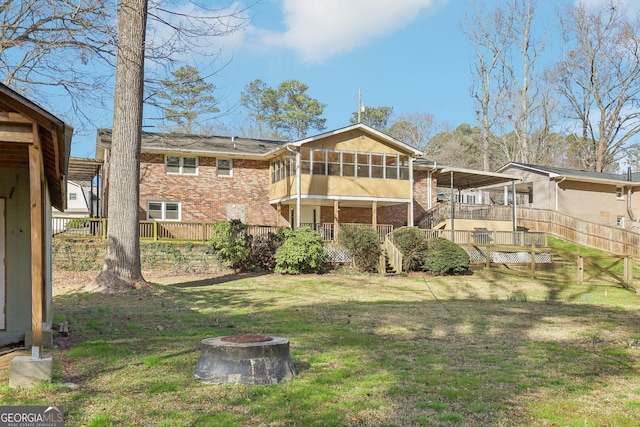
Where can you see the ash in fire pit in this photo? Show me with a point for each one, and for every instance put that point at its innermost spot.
(244, 359)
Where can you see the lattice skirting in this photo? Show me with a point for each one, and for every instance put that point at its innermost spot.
(507, 257)
(338, 255)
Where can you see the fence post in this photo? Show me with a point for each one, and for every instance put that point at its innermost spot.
(155, 231)
(488, 256)
(533, 257)
(628, 270)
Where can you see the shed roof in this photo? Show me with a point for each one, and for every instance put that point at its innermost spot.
(18, 115)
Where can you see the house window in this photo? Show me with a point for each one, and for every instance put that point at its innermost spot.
(73, 196)
(181, 165)
(163, 211)
(619, 193)
(225, 167)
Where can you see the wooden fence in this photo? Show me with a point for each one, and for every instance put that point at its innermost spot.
(615, 240)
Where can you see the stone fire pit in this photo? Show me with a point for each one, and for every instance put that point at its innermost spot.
(244, 359)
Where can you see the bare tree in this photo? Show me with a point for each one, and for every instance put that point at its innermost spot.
(599, 78)
(50, 48)
(489, 31)
(414, 129)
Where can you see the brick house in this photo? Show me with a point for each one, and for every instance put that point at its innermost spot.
(350, 175)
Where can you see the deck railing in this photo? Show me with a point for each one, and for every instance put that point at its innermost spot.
(327, 229)
(96, 228)
(442, 211)
(486, 237)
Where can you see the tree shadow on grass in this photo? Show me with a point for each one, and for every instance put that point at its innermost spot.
(363, 358)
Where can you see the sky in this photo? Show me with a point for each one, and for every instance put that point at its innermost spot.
(411, 55)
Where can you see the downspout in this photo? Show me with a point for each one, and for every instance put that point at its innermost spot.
(632, 217)
(557, 188)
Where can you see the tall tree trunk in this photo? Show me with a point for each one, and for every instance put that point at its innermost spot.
(122, 269)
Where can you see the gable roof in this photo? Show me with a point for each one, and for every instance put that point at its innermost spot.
(366, 129)
(196, 144)
(574, 174)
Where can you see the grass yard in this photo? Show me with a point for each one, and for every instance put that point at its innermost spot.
(489, 349)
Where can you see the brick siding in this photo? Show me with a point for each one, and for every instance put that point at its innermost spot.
(205, 197)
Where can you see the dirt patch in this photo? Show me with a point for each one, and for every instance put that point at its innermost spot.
(65, 282)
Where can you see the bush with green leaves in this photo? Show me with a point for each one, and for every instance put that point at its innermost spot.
(302, 251)
(263, 250)
(413, 245)
(445, 257)
(232, 244)
(363, 244)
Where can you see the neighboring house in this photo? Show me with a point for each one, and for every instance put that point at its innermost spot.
(604, 198)
(78, 198)
(350, 175)
(34, 154)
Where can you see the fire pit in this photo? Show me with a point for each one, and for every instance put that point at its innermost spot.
(244, 359)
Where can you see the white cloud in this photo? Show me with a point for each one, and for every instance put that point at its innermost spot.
(319, 29)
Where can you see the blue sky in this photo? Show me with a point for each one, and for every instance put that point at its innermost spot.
(408, 54)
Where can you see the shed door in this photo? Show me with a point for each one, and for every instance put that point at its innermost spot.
(3, 279)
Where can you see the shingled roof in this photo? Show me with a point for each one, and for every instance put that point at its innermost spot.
(574, 173)
(198, 144)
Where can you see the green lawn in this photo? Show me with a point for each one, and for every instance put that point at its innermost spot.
(488, 349)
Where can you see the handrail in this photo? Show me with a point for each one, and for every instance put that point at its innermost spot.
(393, 253)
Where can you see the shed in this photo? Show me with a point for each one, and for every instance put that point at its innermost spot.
(34, 157)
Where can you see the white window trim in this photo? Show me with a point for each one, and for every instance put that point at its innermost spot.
(181, 166)
(164, 211)
(230, 175)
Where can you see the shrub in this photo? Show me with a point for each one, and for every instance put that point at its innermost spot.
(445, 257)
(231, 243)
(263, 250)
(363, 244)
(301, 252)
(413, 245)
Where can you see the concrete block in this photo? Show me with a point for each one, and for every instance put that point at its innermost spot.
(25, 372)
(47, 339)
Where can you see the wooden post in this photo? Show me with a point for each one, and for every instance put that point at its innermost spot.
(279, 214)
(155, 230)
(36, 182)
(336, 219)
(628, 270)
(488, 255)
(374, 215)
(580, 267)
(533, 257)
